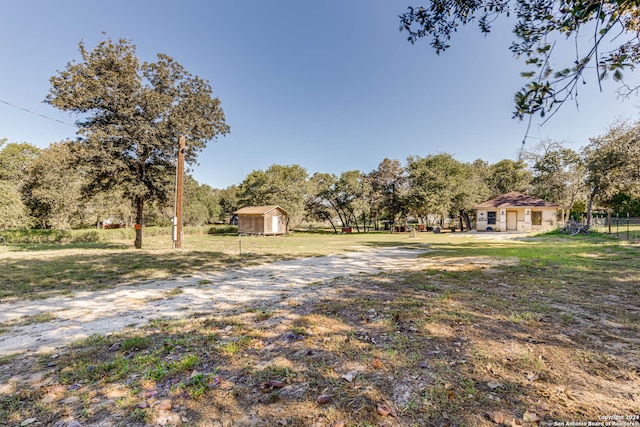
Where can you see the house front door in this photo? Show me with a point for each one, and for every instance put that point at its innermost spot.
(512, 220)
(274, 224)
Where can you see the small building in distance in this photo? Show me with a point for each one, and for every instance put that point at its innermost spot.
(516, 211)
(263, 220)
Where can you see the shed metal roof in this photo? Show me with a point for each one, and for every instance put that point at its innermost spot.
(259, 210)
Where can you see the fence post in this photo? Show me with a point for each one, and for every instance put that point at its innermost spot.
(627, 226)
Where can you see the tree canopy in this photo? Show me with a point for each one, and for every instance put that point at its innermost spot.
(389, 185)
(13, 212)
(430, 190)
(278, 185)
(130, 116)
(442, 185)
(53, 188)
(558, 174)
(613, 165)
(604, 35)
(14, 160)
(508, 175)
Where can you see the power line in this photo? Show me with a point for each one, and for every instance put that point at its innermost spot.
(37, 114)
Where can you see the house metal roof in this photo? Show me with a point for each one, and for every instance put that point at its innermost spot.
(515, 199)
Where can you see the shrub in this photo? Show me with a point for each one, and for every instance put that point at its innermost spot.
(223, 229)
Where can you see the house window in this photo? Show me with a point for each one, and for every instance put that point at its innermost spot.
(491, 218)
(536, 217)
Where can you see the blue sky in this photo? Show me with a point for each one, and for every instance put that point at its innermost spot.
(329, 85)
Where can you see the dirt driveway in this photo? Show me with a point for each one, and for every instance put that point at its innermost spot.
(82, 314)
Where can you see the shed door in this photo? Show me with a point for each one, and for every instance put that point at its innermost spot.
(274, 224)
(512, 220)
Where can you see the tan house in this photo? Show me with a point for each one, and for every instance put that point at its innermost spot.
(264, 220)
(516, 211)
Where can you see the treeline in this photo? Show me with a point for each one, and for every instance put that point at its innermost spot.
(46, 188)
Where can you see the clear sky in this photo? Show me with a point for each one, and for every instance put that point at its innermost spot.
(331, 85)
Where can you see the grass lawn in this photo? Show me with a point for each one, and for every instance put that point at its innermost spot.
(40, 270)
(552, 334)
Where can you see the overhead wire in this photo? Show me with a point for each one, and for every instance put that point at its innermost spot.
(37, 114)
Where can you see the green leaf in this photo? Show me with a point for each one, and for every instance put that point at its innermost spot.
(617, 75)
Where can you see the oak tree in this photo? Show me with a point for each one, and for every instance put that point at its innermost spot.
(389, 186)
(613, 165)
(603, 34)
(53, 188)
(346, 198)
(14, 161)
(229, 202)
(283, 185)
(433, 183)
(319, 202)
(351, 193)
(130, 115)
(13, 212)
(508, 175)
(443, 187)
(558, 175)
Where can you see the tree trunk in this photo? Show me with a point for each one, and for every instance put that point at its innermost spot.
(335, 230)
(338, 211)
(353, 215)
(138, 226)
(592, 196)
(569, 212)
(466, 218)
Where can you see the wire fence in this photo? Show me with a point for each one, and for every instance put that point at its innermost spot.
(623, 227)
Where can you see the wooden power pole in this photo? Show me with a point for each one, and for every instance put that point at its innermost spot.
(177, 220)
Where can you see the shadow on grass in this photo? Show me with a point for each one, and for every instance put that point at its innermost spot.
(39, 247)
(441, 347)
(37, 278)
(408, 243)
(574, 254)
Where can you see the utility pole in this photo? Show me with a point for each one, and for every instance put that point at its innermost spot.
(177, 219)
